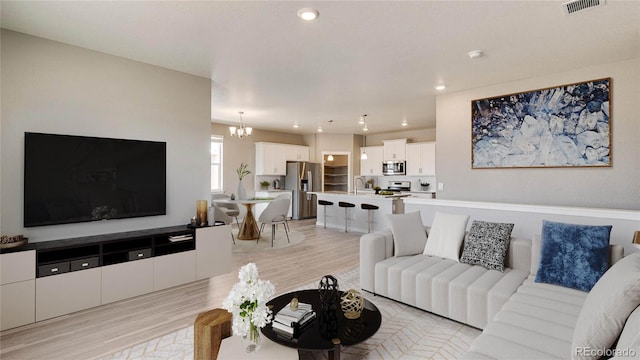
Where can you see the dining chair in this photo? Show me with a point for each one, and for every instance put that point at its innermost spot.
(286, 195)
(220, 215)
(275, 213)
(230, 209)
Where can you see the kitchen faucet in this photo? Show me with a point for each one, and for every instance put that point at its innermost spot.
(355, 184)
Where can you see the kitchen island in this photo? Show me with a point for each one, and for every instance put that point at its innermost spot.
(357, 221)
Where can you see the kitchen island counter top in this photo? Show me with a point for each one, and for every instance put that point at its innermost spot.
(357, 217)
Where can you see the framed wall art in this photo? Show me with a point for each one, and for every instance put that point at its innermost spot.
(563, 126)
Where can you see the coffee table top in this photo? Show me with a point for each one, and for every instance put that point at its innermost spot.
(326, 326)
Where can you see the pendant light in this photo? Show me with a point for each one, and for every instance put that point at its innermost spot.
(363, 156)
(330, 157)
(241, 131)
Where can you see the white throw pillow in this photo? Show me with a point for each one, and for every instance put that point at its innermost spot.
(607, 307)
(446, 235)
(409, 235)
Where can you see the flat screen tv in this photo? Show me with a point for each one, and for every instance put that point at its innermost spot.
(70, 179)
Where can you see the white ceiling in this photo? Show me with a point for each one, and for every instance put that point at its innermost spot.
(382, 58)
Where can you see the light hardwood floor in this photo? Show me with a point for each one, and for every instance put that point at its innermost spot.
(103, 330)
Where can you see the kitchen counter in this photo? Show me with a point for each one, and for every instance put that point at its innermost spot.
(387, 204)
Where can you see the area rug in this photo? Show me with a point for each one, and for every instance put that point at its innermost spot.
(406, 333)
(264, 242)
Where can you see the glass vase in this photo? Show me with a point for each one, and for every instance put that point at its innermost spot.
(252, 341)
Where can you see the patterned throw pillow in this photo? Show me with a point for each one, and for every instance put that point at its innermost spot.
(487, 244)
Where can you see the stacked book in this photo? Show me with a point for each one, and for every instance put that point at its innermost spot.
(175, 238)
(290, 323)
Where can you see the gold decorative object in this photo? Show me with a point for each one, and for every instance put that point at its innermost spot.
(201, 212)
(294, 304)
(352, 304)
(636, 239)
(7, 241)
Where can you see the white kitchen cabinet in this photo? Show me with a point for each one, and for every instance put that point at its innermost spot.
(394, 150)
(421, 158)
(297, 153)
(17, 288)
(372, 165)
(66, 293)
(271, 159)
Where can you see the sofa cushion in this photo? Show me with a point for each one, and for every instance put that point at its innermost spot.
(607, 307)
(573, 255)
(409, 235)
(487, 244)
(446, 235)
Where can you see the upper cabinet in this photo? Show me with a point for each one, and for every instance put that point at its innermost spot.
(394, 150)
(297, 153)
(271, 159)
(372, 165)
(421, 158)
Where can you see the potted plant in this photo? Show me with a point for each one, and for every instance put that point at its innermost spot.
(424, 185)
(264, 184)
(377, 189)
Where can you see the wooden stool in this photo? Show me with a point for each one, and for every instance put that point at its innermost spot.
(346, 206)
(325, 203)
(369, 208)
(209, 329)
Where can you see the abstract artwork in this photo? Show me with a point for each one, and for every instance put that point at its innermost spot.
(563, 126)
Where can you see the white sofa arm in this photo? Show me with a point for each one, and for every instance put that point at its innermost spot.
(374, 247)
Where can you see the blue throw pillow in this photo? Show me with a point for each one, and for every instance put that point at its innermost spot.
(573, 256)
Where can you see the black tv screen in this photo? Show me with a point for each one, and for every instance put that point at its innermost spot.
(70, 179)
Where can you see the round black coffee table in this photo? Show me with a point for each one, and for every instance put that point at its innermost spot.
(330, 329)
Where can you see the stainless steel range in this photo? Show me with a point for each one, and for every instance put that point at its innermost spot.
(398, 186)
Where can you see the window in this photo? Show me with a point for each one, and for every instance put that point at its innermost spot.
(216, 163)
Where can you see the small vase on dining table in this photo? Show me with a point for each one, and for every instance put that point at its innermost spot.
(242, 194)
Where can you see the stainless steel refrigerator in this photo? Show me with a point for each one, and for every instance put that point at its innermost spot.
(302, 178)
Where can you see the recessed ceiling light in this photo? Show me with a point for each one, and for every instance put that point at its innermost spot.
(308, 14)
(474, 54)
(440, 87)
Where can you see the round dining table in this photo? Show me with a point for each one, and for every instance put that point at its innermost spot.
(249, 227)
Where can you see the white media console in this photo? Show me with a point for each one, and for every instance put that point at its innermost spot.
(43, 280)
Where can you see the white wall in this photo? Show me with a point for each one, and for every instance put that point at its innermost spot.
(615, 187)
(51, 87)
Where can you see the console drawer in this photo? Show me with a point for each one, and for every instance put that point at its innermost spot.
(86, 263)
(139, 254)
(53, 269)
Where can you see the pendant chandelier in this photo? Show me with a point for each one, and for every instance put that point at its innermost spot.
(241, 131)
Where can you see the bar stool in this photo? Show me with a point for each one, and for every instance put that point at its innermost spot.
(325, 203)
(346, 206)
(369, 208)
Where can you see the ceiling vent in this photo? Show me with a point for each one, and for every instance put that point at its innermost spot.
(573, 7)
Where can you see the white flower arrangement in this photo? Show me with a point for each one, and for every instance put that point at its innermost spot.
(247, 302)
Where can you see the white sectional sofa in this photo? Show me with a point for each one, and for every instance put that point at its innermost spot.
(520, 318)
(466, 293)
